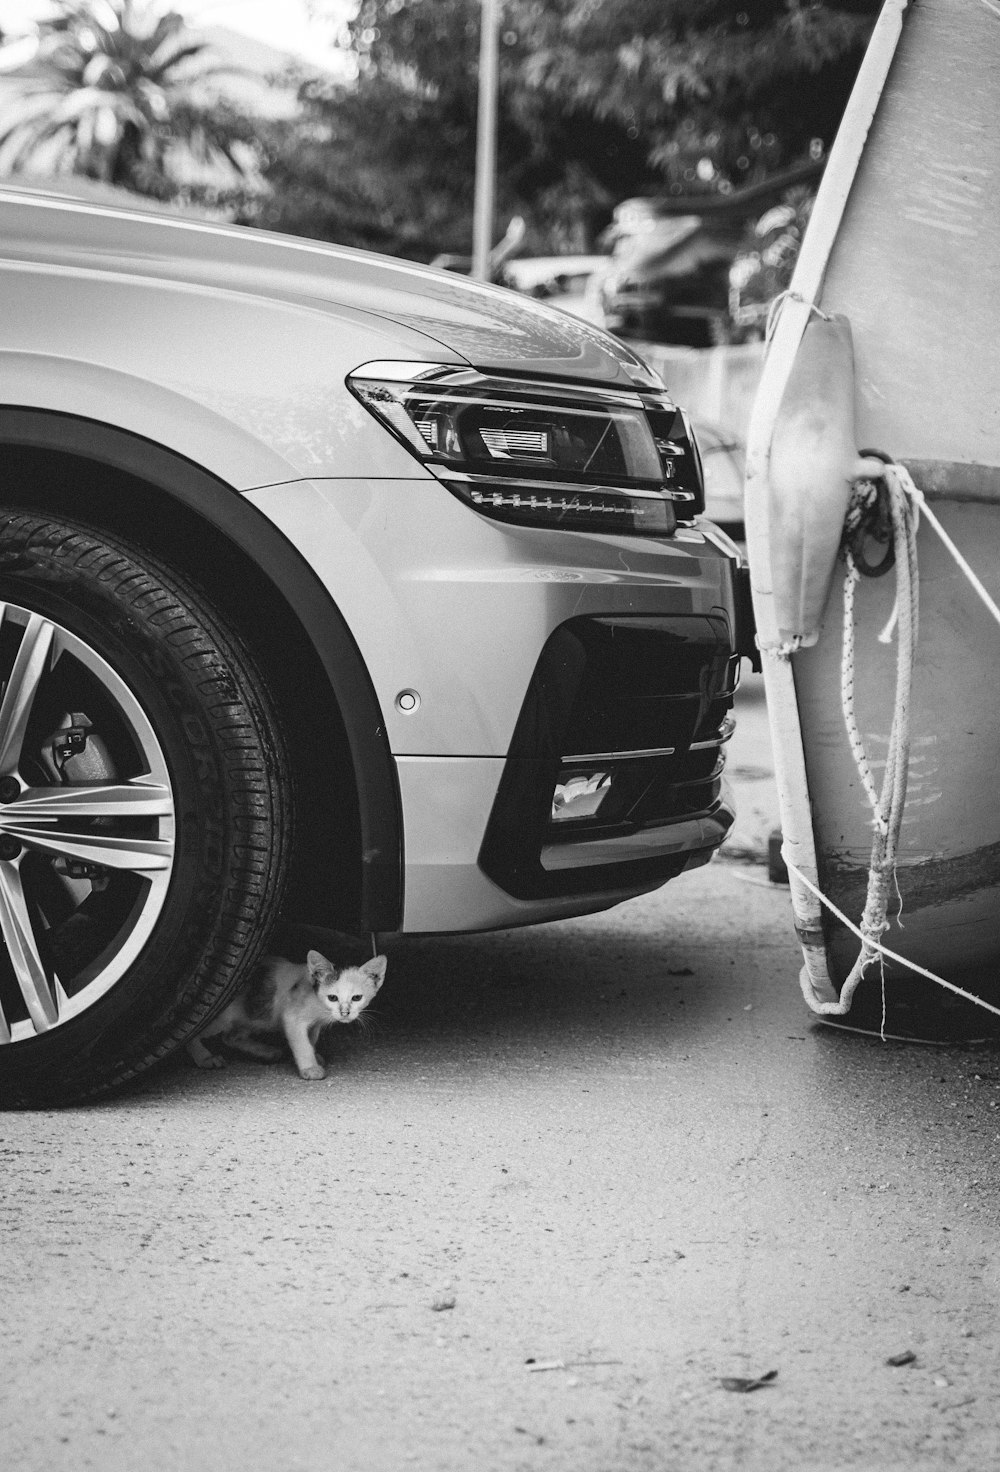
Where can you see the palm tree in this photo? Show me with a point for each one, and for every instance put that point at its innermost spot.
(112, 93)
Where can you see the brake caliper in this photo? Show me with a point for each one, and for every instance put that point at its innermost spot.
(76, 753)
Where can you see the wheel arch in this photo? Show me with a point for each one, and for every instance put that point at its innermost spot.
(190, 517)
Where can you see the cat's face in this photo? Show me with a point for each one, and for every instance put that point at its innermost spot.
(345, 993)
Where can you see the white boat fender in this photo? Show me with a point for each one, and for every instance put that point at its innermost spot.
(813, 465)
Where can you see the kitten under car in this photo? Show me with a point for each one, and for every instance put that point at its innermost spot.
(294, 1000)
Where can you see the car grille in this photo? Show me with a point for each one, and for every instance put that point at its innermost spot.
(622, 732)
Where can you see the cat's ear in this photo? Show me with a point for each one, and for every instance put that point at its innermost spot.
(314, 965)
(375, 969)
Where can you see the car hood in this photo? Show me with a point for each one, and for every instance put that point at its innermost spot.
(488, 326)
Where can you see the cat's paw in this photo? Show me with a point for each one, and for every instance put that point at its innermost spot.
(313, 1072)
(203, 1057)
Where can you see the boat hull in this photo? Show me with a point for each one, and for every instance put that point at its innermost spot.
(916, 270)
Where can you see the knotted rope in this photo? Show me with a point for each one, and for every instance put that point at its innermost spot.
(906, 503)
(886, 805)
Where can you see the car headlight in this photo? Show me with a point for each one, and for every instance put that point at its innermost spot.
(542, 454)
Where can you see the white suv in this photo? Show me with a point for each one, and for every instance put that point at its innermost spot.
(335, 590)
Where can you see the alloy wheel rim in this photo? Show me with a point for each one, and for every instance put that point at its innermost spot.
(85, 860)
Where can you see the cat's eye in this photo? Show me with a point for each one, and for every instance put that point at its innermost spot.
(357, 997)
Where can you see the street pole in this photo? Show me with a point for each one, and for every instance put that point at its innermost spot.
(483, 224)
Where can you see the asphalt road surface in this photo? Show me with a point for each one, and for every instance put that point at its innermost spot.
(570, 1181)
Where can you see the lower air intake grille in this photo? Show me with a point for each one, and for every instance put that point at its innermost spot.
(620, 739)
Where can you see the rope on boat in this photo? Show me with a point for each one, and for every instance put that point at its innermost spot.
(847, 696)
(906, 504)
(883, 951)
(886, 805)
(917, 496)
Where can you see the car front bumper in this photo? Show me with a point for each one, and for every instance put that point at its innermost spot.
(448, 802)
(556, 703)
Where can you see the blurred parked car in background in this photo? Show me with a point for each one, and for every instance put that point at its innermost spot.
(569, 282)
(667, 279)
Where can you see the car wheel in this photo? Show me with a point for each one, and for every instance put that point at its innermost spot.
(144, 810)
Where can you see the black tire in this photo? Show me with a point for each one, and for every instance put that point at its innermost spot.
(150, 943)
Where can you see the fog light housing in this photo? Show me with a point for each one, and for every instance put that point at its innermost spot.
(579, 795)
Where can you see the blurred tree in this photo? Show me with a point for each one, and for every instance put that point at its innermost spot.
(388, 160)
(111, 94)
(600, 99)
(725, 92)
